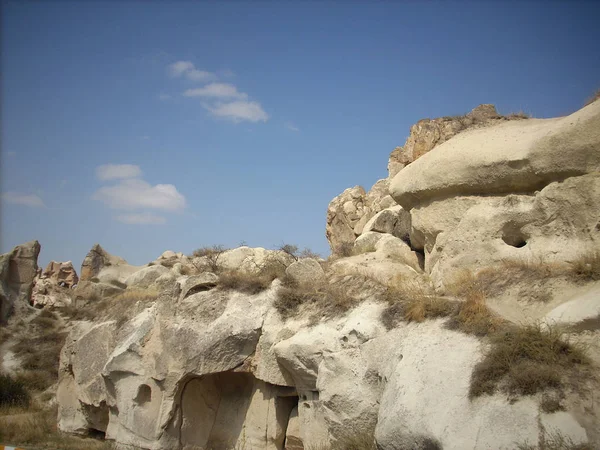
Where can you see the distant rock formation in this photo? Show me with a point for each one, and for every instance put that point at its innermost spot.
(18, 270)
(96, 259)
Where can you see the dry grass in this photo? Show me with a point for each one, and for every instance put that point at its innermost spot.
(413, 301)
(343, 250)
(472, 316)
(555, 441)
(586, 267)
(526, 360)
(13, 392)
(38, 350)
(595, 96)
(37, 426)
(316, 300)
(520, 115)
(248, 283)
(212, 254)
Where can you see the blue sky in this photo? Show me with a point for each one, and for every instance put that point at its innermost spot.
(148, 126)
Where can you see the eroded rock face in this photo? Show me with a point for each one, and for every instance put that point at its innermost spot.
(61, 273)
(188, 374)
(96, 259)
(512, 157)
(427, 134)
(18, 270)
(349, 212)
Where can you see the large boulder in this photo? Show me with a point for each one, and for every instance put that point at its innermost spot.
(146, 277)
(512, 157)
(306, 270)
(349, 212)
(395, 221)
(18, 270)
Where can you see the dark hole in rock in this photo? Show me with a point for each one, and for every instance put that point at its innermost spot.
(144, 395)
(514, 236)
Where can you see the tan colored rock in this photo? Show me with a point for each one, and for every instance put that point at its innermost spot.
(88, 291)
(395, 221)
(293, 441)
(427, 134)
(511, 157)
(18, 270)
(147, 277)
(306, 270)
(62, 273)
(349, 212)
(97, 259)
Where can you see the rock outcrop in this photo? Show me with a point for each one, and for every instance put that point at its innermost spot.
(18, 270)
(61, 273)
(97, 259)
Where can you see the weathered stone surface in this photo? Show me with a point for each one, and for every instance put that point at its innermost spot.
(479, 162)
(88, 291)
(253, 260)
(18, 270)
(146, 277)
(198, 283)
(61, 273)
(349, 212)
(306, 270)
(96, 259)
(427, 134)
(395, 221)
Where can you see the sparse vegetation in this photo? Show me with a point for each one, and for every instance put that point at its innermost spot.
(212, 255)
(343, 250)
(555, 441)
(37, 426)
(413, 301)
(248, 283)
(586, 267)
(518, 115)
(318, 300)
(595, 96)
(12, 392)
(526, 360)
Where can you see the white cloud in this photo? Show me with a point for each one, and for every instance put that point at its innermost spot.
(188, 70)
(164, 96)
(17, 198)
(220, 90)
(141, 219)
(239, 111)
(134, 194)
(290, 126)
(117, 171)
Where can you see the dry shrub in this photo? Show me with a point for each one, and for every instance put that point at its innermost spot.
(555, 441)
(318, 300)
(212, 254)
(79, 313)
(413, 301)
(39, 350)
(126, 305)
(37, 426)
(586, 267)
(472, 316)
(358, 441)
(343, 250)
(518, 115)
(595, 96)
(494, 280)
(526, 360)
(12, 392)
(246, 282)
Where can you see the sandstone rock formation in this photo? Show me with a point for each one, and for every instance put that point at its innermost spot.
(97, 259)
(18, 270)
(62, 273)
(206, 367)
(526, 189)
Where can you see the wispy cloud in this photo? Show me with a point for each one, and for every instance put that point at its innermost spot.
(117, 171)
(239, 111)
(290, 126)
(141, 219)
(188, 70)
(219, 90)
(164, 96)
(17, 198)
(132, 194)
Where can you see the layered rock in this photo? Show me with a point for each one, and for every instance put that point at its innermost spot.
(61, 273)
(96, 260)
(18, 270)
(517, 190)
